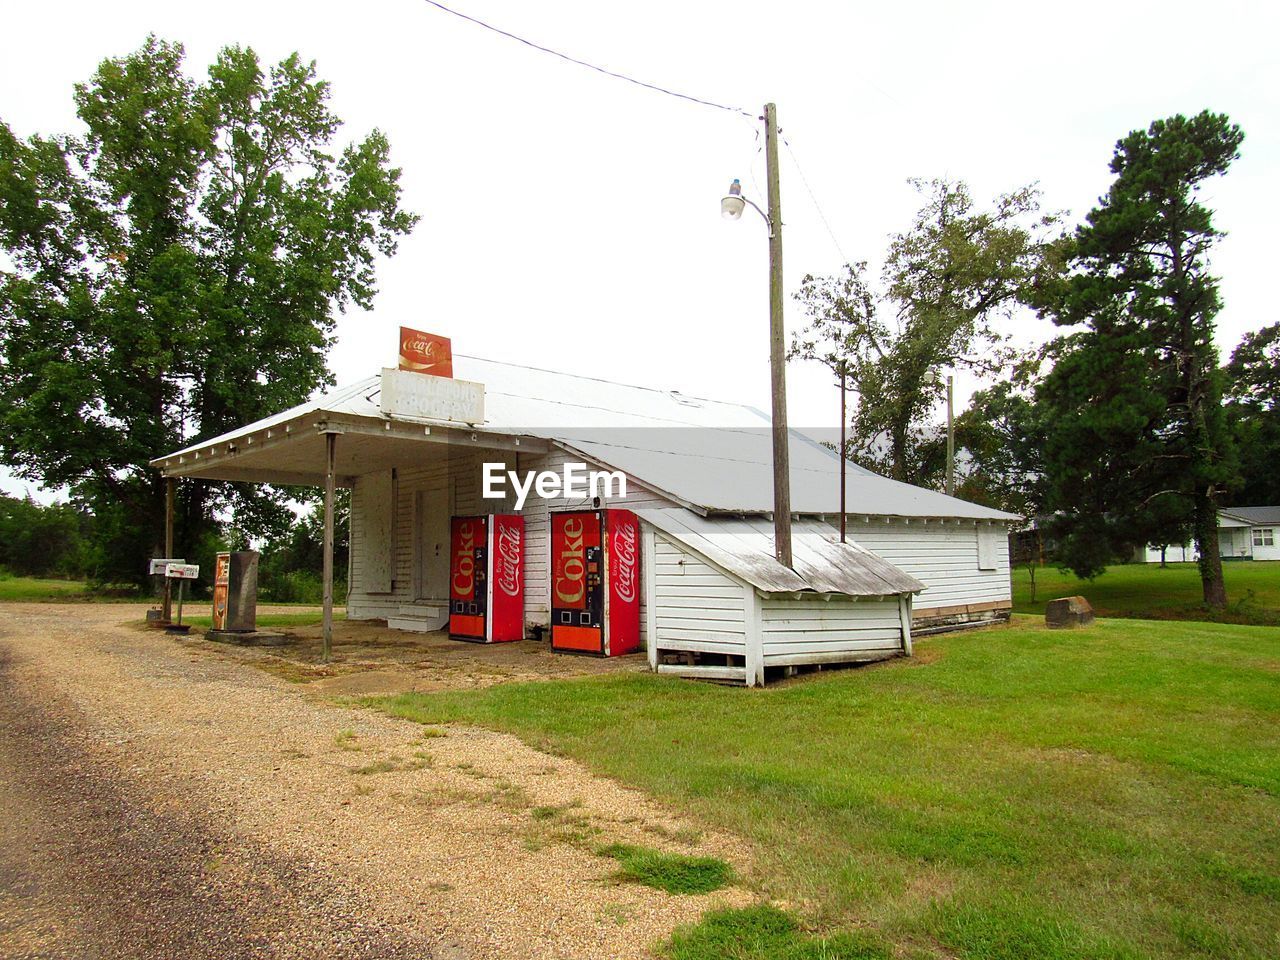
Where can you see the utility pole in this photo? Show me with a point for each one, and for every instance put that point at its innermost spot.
(840, 368)
(951, 437)
(170, 494)
(777, 350)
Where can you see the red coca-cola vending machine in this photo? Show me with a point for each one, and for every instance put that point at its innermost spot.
(595, 582)
(486, 578)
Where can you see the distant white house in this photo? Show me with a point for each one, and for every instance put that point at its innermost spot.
(1244, 533)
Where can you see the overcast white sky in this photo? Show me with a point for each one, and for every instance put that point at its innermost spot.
(572, 221)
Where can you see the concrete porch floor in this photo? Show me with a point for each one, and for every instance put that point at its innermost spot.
(371, 659)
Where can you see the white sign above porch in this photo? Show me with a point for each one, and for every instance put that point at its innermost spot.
(420, 396)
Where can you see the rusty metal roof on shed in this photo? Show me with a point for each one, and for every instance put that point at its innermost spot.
(743, 546)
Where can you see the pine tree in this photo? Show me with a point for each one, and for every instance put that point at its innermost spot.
(1137, 446)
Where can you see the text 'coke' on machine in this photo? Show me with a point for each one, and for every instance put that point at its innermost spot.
(486, 578)
(595, 582)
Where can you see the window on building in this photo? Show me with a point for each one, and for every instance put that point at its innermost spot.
(1264, 536)
(988, 547)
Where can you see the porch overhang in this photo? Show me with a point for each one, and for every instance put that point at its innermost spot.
(293, 451)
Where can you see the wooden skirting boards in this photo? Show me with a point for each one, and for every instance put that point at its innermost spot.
(962, 610)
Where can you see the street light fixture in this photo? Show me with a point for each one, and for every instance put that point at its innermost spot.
(731, 208)
(733, 203)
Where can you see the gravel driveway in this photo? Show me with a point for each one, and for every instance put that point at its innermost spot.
(163, 799)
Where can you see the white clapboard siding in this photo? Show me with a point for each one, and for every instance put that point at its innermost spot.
(537, 527)
(378, 513)
(430, 472)
(699, 608)
(451, 478)
(361, 604)
(813, 629)
(942, 556)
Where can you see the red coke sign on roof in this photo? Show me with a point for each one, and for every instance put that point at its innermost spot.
(425, 353)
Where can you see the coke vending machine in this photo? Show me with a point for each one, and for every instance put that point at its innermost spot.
(486, 578)
(595, 582)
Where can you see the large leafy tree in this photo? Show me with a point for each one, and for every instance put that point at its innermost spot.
(173, 272)
(945, 284)
(1000, 439)
(1253, 409)
(42, 540)
(1137, 449)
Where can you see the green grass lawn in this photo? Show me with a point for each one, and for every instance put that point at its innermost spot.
(1148, 591)
(1010, 793)
(34, 589)
(303, 618)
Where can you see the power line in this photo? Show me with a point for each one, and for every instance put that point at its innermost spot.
(664, 90)
(589, 66)
(759, 148)
(817, 206)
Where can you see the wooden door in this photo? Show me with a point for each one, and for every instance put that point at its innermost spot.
(431, 542)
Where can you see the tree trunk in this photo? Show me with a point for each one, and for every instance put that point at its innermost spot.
(898, 451)
(1206, 527)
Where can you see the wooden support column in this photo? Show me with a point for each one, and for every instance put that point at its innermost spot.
(649, 583)
(904, 612)
(331, 444)
(170, 494)
(753, 635)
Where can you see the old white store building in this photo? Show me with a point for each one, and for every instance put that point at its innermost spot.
(714, 600)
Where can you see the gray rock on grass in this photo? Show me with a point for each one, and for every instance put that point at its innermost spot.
(1068, 613)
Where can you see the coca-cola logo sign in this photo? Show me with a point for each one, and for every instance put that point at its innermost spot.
(624, 554)
(425, 353)
(571, 566)
(464, 560)
(506, 560)
(427, 349)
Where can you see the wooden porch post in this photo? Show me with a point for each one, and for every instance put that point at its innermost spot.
(170, 494)
(904, 612)
(331, 443)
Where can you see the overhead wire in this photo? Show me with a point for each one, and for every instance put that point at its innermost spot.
(814, 197)
(590, 66)
(759, 148)
(702, 101)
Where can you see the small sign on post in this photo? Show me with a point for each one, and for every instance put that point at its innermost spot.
(181, 572)
(156, 568)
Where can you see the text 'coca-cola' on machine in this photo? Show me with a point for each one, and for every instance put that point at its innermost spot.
(595, 582)
(486, 578)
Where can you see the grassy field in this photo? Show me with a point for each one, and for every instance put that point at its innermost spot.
(1148, 591)
(1010, 793)
(34, 589)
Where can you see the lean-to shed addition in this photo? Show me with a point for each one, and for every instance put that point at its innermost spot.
(720, 606)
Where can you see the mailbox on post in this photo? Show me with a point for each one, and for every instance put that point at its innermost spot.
(181, 572)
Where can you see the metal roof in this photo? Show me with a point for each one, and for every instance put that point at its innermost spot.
(1253, 515)
(743, 546)
(712, 455)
